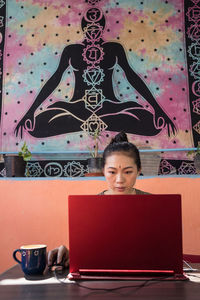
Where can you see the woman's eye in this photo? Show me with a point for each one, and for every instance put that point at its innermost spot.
(111, 172)
(128, 172)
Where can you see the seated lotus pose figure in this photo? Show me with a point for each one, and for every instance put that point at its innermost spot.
(121, 166)
(94, 103)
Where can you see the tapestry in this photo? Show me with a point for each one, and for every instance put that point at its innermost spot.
(72, 68)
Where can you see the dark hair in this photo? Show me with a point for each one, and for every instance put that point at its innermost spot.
(120, 143)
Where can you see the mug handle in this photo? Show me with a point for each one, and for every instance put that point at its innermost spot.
(15, 257)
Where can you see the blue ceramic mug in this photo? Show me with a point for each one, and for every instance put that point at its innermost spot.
(33, 259)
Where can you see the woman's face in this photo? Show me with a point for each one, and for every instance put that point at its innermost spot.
(120, 172)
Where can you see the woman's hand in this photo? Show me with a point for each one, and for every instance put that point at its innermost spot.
(26, 123)
(162, 120)
(58, 256)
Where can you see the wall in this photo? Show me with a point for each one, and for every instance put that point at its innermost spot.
(35, 211)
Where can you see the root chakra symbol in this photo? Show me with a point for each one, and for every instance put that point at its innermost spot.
(92, 124)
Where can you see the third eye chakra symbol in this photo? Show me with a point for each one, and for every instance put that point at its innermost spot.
(93, 15)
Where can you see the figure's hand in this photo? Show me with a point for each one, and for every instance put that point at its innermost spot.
(26, 123)
(58, 256)
(162, 120)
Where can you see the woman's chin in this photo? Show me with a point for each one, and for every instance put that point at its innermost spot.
(120, 192)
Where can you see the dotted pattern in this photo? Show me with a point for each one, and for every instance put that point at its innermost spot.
(135, 43)
(2, 42)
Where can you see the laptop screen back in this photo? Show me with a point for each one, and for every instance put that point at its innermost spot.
(125, 232)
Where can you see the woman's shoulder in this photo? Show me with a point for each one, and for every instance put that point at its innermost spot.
(102, 193)
(139, 192)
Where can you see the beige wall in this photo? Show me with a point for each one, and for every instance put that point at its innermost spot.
(35, 211)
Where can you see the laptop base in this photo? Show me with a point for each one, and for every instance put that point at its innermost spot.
(126, 275)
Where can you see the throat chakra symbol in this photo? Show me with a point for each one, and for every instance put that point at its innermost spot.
(93, 32)
(93, 76)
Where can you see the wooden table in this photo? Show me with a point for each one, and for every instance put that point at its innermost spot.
(13, 286)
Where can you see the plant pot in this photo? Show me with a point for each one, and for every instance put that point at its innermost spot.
(150, 163)
(15, 166)
(95, 164)
(197, 163)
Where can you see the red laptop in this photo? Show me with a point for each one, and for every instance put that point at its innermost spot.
(125, 236)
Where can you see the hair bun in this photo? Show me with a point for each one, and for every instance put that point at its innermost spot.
(120, 138)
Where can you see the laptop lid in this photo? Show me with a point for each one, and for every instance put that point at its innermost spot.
(125, 235)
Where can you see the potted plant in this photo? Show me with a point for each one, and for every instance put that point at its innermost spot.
(15, 164)
(95, 162)
(196, 155)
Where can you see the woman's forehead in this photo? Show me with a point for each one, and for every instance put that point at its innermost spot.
(120, 158)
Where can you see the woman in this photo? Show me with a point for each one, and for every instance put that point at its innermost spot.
(121, 166)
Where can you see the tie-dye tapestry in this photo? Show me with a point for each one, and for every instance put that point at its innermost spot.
(72, 67)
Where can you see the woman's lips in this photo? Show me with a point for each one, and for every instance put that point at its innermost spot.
(120, 189)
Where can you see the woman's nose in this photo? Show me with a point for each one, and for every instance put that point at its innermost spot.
(119, 177)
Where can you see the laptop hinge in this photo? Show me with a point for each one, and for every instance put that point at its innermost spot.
(123, 272)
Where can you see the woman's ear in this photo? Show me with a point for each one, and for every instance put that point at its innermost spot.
(103, 171)
(139, 172)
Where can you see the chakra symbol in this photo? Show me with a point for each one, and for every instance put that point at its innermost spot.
(197, 127)
(74, 169)
(195, 70)
(193, 13)
(93, 15)
(93, 32)
(93, 54)
(93, 76)
(166, 168)
(194, 51)
(196, 88)
(93, 98)
(53, 169)
(194, 31)
(92, 2)
(33, 169)
(92, 124)
(186, 168)
(196, 106)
